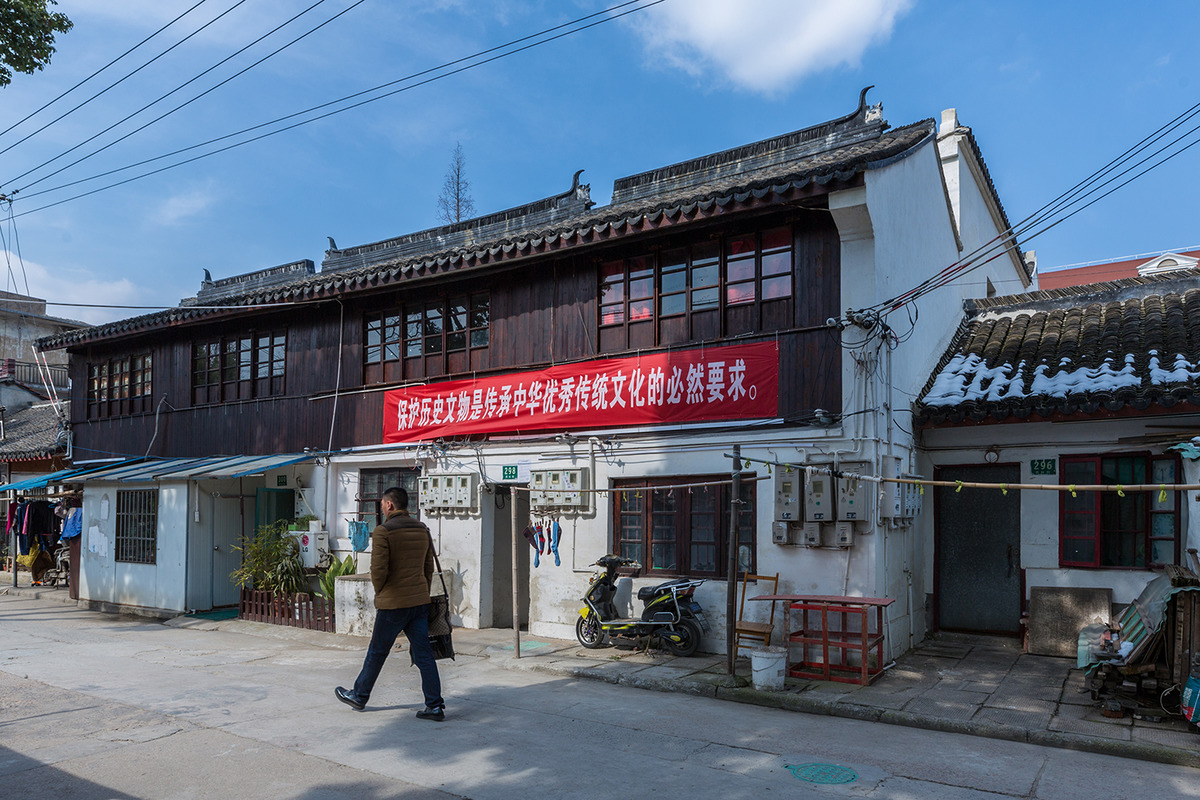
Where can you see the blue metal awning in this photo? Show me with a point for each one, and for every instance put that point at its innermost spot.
(140, 470)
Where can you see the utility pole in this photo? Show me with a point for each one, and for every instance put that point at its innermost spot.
(731, 570)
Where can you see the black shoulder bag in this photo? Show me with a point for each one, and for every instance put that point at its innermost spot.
(439, 615)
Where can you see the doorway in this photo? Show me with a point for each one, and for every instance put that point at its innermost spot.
(978, 579)
(501, 543)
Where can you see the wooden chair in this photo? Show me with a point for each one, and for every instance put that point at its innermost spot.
(755, 631)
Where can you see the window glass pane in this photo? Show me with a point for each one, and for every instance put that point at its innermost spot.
(1122, 549)
(479, 338)
(1162, 552)
(777, 237)
(705, 252)
(674, 281)
(1162, 471)
(777, 288)
(673, 304)
(739, 293)
(777, 263)
(391, 351)
(481, 311)
(741, 269)
(703, 276)
(374, 331)
(674, 259)
(1079, 525)
(1162, 525)
(641, 309)
(640, 267)
(641, 288)
(456, 341)
(705, 298)
(612, 315)
(457, 320)
(433, 321)
(1079, 551)
(739, 246)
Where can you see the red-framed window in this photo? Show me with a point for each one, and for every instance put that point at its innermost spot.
(682, 531)
(1119, 529)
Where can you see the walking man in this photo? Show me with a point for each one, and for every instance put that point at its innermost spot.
(401, 569)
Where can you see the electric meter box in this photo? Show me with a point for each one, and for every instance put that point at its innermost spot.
(788, 497)
(911, 497)
(843, 534)
(782, 533)
(458, 492)
(855, 495)
(819, 498)
(559, 488)
(891, 506)
(810, 534)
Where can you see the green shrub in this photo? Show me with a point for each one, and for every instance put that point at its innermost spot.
(338, 568)
(271, 561)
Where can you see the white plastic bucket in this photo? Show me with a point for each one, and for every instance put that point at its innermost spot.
(769, 667)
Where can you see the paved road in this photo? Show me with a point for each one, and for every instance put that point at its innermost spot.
(95, 706)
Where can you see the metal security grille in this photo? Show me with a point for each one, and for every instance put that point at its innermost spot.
(137, 526)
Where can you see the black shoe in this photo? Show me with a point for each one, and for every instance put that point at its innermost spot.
(435, 714)
(347, 697)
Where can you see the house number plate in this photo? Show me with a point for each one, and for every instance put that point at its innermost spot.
(1043, 466)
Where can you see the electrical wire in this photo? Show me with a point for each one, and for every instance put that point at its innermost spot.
(49, 103)
(119, 82)
(1004, 242)
(642, 7)
(181, 86)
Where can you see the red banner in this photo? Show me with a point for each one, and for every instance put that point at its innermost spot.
(715, 383)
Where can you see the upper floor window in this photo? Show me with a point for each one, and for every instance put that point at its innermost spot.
(673, 529)
(443, 331)
(239, 367)
(1119, 530)
(120, 386)
(734, 285)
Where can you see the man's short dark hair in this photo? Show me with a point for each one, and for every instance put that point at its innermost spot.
(398, 497)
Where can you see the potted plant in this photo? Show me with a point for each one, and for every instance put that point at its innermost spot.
(271, 562)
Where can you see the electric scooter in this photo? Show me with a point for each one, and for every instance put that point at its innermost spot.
(670, 617)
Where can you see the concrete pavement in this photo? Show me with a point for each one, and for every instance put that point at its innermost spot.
(976, 685)
(95, 706)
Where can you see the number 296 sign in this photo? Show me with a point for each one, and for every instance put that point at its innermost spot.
(1043, 466)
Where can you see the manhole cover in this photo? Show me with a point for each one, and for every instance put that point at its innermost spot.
(823, 773)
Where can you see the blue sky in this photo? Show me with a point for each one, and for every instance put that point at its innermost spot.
(1052, 91)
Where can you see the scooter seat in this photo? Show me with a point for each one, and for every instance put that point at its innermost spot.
(647, 592)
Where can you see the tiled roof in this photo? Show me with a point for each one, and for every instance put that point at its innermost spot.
(1080, 350)
(772, 171)
(31, 433)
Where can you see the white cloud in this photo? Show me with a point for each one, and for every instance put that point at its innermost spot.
(179, 208)
(70, 285)
(765, 45)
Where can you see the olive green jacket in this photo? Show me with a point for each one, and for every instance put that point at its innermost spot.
(401, 562)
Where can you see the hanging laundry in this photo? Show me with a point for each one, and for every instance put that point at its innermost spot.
(556, 532)
(360, 534)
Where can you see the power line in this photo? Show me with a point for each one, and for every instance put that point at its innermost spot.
(1005, 242)
(112, 86)
(472, 57)
(194, 99)
(94, 74)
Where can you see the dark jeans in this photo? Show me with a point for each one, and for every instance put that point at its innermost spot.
(388, 624)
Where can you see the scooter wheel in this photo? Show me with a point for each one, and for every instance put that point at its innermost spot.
(687, 634)
(588, 632)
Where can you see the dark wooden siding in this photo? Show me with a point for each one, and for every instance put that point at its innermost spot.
(542, 312)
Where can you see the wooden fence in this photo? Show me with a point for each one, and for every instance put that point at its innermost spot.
(307, 611)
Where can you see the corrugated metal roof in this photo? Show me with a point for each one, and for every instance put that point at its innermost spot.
(167, 469)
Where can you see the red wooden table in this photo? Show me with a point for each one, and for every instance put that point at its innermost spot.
(814, 637)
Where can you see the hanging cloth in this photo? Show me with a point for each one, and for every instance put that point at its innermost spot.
(360, 535)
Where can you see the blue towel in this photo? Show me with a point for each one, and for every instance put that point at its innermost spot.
(360, 535)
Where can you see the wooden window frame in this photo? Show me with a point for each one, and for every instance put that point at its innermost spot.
(436, 329)
(120, 386)
(641, 509)
(242, 367)
(1095, 517)
(709, 287)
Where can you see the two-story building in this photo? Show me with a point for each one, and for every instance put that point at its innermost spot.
(594, 365)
